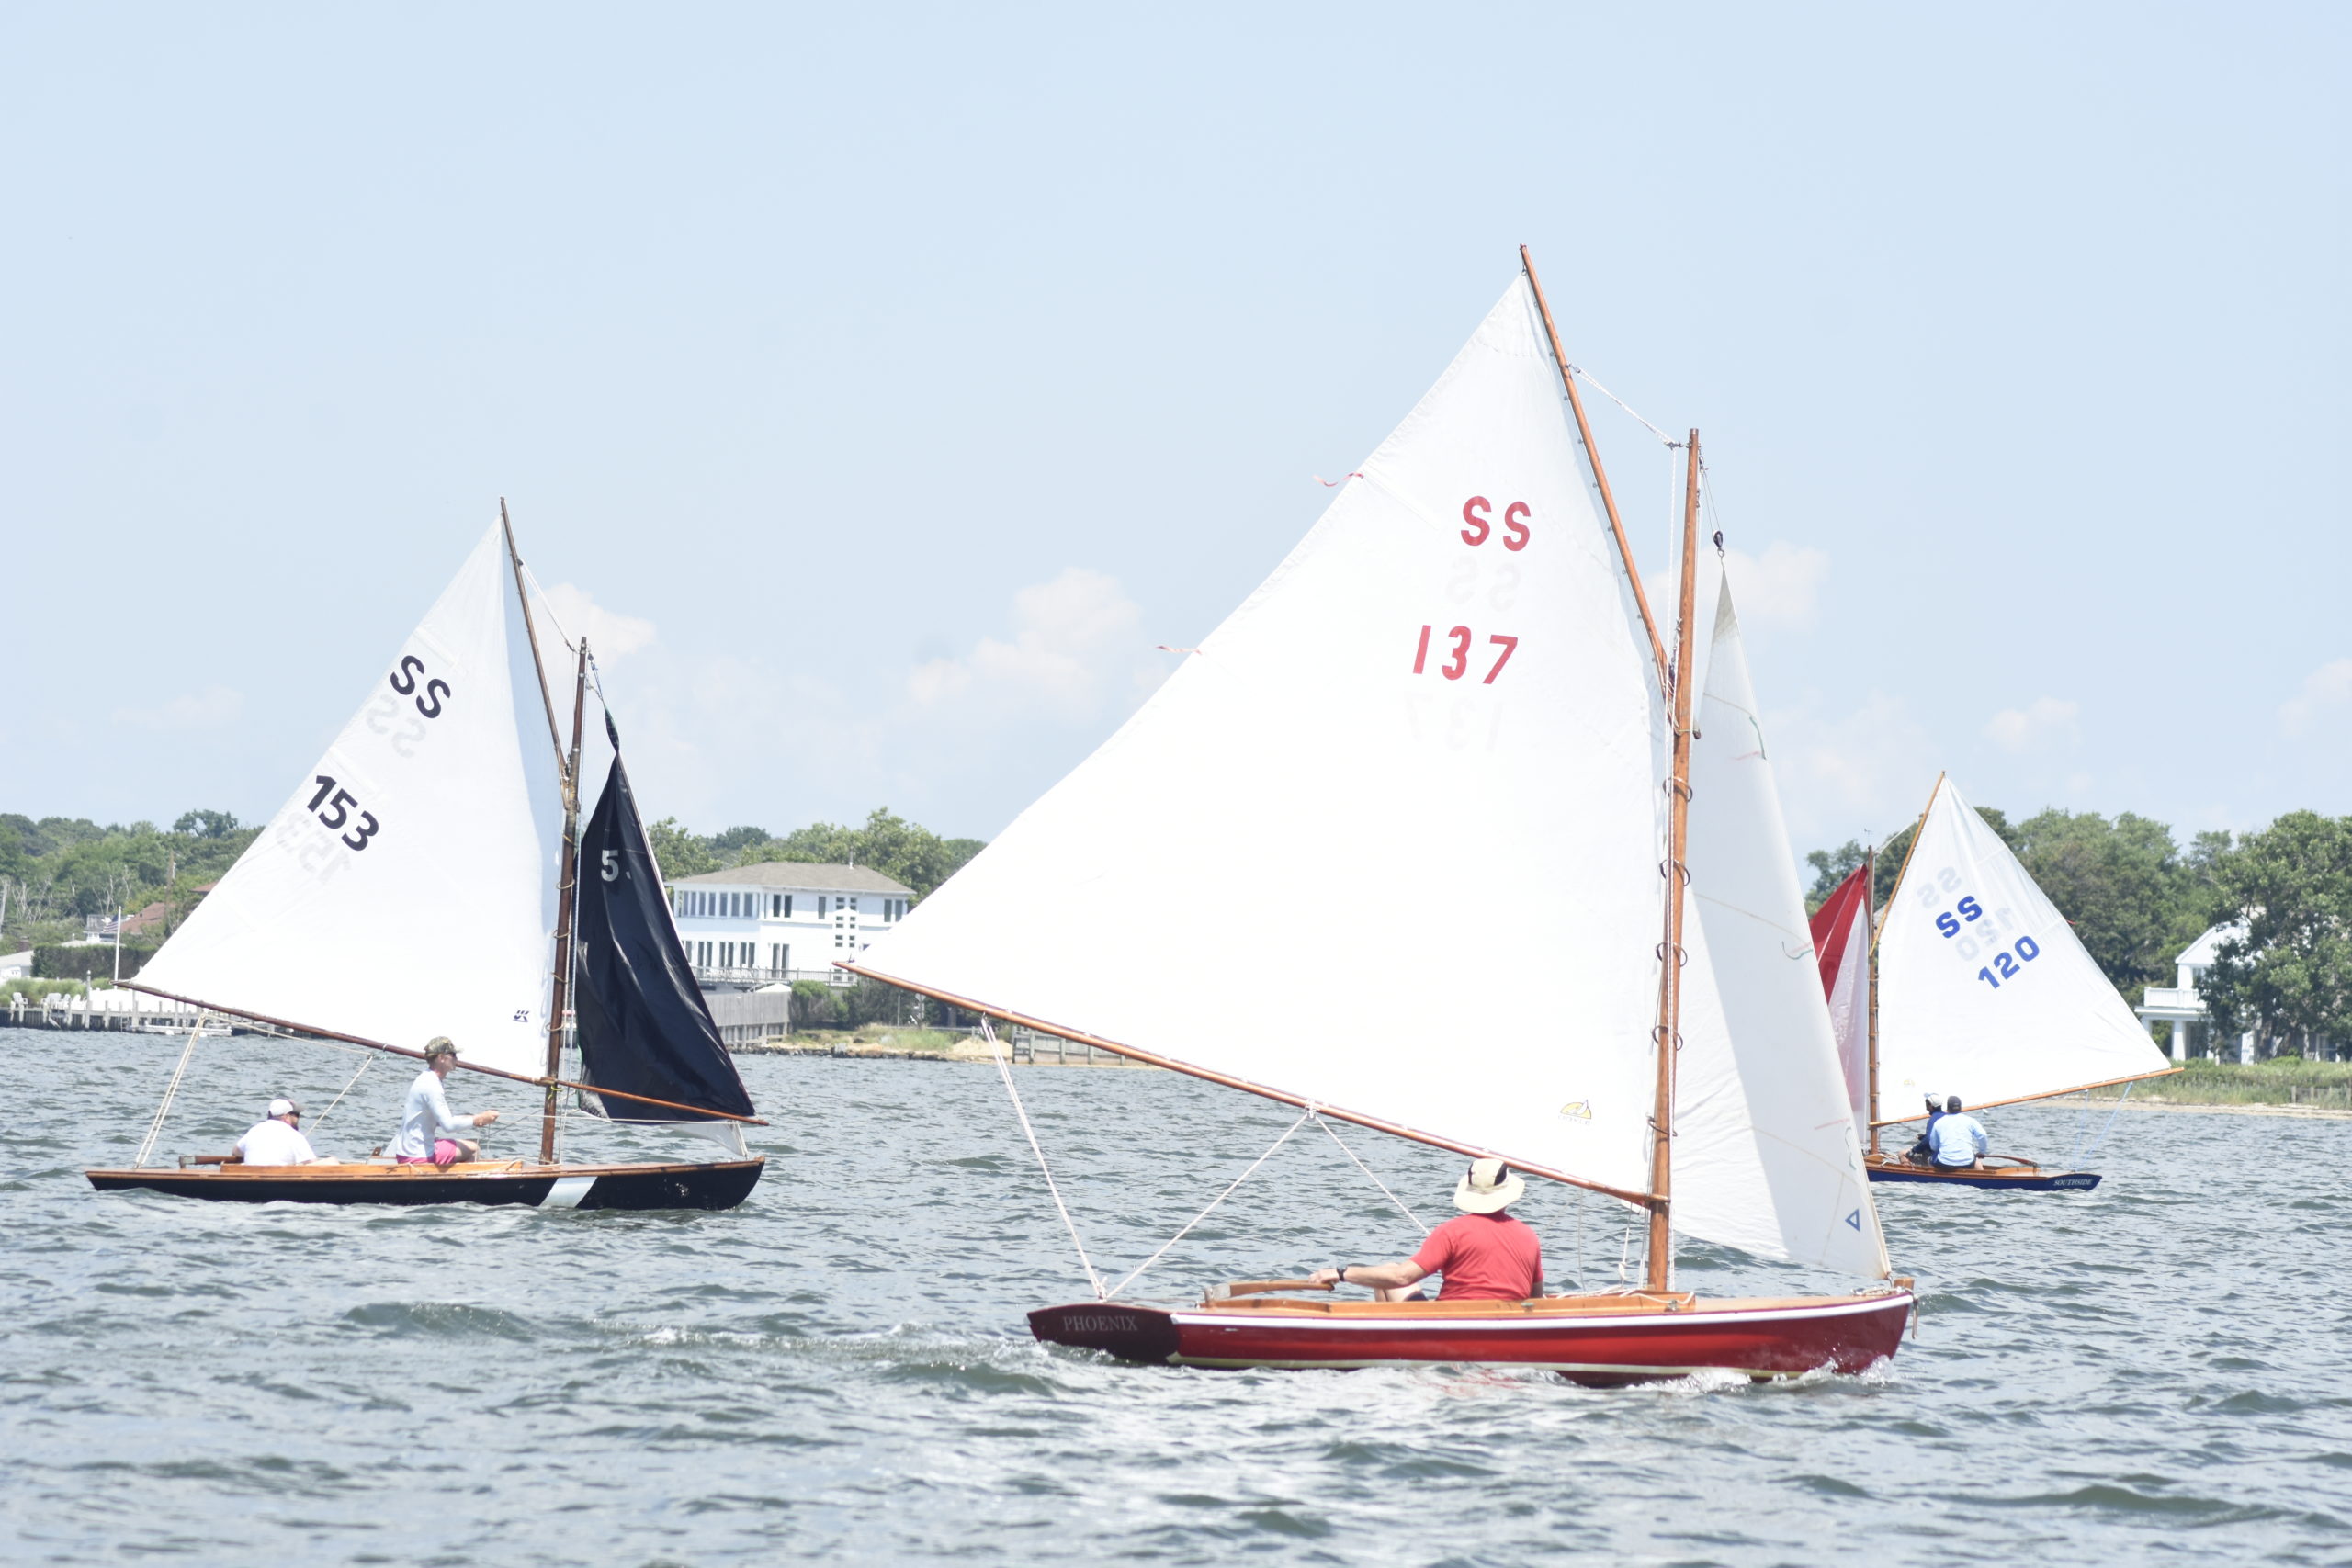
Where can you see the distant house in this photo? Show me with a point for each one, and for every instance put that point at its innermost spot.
(2181, 1005)
(783, 920)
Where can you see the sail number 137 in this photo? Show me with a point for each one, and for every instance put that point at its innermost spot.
(1453, 654)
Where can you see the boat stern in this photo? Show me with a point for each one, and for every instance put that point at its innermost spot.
(1131, 1333)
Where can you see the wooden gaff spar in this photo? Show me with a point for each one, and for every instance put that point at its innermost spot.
(424, 882)
(1452, 689)
(1979, 988)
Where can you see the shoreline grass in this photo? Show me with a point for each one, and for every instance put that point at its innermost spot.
(2286, 1080)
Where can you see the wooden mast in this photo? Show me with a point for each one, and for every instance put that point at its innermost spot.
(1599, 475)
(1870, 960)
(566, 890)
(1660, 1273)
(530, 630)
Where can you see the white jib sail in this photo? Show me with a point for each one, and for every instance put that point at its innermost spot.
(1387, 841)
(407, 887)
(1983, 990)
(1764, 1157)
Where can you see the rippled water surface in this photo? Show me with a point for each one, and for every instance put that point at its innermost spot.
(2152, 1373)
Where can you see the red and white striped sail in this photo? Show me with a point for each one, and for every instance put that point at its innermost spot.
(1841, 940)
(1435, 728)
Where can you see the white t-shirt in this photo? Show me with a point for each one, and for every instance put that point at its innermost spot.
(275, 1143)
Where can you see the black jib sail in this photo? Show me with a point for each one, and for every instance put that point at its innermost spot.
(642, 1025)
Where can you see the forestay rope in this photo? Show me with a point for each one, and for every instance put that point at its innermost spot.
(155, 1128)
(1003, 1059)
(367, 1062)
(1367, 1170)
(1220, 1198)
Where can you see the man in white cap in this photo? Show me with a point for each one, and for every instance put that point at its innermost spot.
(277, 1139)
(1924, 1151)
(1485, 1255)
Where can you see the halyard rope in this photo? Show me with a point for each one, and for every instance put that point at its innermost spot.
(1220, 1198)
(155, 1129)
(1004, 1069)
(345, 1090)
(1367, 1170)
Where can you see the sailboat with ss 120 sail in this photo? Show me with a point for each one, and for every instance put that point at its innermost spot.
(1454, 683)
(1976, 988)
(424, 881)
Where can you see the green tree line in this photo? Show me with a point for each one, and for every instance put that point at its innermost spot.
(2136, 897)
(57, 871)
(887, 843)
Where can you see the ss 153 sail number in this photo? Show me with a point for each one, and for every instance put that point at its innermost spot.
(333, 813)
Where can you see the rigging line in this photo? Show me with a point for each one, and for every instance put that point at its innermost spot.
(549, 606)
(1367, 1170)
(1594, 383)
(2111, 1115)
(1220, 1198)
(362, 1073)
(1004, 1069)
(155, 1128)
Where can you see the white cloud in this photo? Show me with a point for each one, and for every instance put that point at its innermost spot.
(2044, 719)
(211, 708)
(1076, 641)
(2326, 688)
(1864, 774)
(1778, 588)
(611, 635)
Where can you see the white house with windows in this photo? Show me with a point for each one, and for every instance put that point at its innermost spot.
(783, 920)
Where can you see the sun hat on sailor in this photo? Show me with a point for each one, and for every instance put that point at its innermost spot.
(283, 1107)
(1489, 1187)
(439, 1045)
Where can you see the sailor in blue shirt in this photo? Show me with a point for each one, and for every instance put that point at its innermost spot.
(1958, 1139)
(1924, 1151)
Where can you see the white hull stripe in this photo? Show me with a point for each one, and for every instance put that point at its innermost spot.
(566, 1191)
(1544, 1324)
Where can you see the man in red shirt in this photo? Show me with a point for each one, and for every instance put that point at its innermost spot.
(1485, 1255)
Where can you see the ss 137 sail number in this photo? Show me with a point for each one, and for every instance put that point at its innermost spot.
(1478, 528)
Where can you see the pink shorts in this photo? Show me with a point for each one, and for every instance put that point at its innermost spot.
(444, 1152)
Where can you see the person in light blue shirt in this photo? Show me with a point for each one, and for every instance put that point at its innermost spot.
(1924, 1151)
(1960, 1140)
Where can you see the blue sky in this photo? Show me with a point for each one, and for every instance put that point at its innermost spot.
(884, 384)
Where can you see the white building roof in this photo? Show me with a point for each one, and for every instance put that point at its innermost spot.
(2204, 949)
(796, 876)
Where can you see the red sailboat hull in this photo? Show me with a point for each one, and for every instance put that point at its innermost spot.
(1598, 1340)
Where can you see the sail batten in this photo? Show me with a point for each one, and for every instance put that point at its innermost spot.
(1985, 992)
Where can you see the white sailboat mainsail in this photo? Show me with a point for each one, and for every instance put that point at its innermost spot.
(1388, 842)
(407, 887)
(1983, 990)
(1765, 1156)
(1434, 731)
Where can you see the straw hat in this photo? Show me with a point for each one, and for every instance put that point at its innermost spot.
(1489, 1187)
